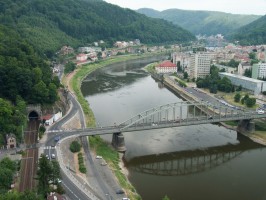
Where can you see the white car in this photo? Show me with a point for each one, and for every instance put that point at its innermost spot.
(260, 112)
(53, 156)
(99, 157)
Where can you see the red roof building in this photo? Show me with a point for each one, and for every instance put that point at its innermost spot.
(166, 67)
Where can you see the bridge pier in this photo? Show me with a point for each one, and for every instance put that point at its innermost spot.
(118, 142)
(246, 126)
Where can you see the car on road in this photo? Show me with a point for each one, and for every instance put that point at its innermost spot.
(120, 191)
(53, 156)
(260, 112)
(58, 180)
(57, 138)
(103, 163)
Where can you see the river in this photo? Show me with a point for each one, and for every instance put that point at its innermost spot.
(185, 163)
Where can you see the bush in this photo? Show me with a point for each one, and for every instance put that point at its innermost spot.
(75, 147)
(82, 169)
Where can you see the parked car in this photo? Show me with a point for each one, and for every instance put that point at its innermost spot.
(120, 191)
(260, 112)
(99, 157)
(53, 156)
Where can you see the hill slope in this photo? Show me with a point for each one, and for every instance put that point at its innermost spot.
(252, 34)
(202, 22)
(50, 24)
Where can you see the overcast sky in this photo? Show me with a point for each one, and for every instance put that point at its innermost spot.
(257, 7)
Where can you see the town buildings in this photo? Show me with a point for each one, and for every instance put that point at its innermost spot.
(253, 85)
(242, 67)
(259, 71)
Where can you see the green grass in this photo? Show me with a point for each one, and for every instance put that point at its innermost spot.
(260, 125)
(231, 123)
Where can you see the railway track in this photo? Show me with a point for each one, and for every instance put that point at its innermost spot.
(30, 158)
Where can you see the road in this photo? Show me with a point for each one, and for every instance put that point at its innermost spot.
(104, 190)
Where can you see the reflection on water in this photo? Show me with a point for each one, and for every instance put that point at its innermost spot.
(189, 161)
(192, 162)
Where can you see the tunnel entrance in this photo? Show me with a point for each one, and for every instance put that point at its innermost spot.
(33, 115)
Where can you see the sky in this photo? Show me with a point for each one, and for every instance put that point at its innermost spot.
(257, 7)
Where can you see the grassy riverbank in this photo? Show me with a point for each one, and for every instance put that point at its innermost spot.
(98, 145)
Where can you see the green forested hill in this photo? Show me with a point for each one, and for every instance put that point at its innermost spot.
(202, 22)
(252, 34)
(50, 24)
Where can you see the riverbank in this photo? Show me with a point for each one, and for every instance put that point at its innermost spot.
(113, 158)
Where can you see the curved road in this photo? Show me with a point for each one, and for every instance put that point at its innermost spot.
(72, 191)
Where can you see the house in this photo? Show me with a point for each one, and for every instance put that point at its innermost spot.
(11, 141)
(48, 119)
(166, 67)
(81, 57)
(65, 50)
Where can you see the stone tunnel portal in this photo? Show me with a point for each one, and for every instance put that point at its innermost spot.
(33, 115)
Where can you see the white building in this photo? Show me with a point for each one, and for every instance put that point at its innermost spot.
(242, 67)
(182, 58)
(254, 85)
(199, 65)
(259, 70)
(81, 57)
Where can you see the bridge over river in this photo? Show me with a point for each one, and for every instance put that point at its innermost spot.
(177, 114)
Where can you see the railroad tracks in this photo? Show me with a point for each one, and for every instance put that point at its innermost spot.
(29, 160)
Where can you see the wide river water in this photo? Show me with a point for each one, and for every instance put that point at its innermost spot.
(207, 162)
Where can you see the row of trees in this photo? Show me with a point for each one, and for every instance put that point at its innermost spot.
(48, 173)
(75, 147)
(248, 101)
(231, 63)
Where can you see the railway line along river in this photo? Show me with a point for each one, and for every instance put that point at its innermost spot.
(190, 162)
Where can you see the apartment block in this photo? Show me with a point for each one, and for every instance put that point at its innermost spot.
(259, 70)
(200, 64)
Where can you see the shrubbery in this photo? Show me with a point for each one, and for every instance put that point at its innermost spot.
(75, 147)
(82, 167)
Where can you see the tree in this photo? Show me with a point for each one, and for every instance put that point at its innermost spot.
(75, 146)
(44, 172)
(239, 88)
(237, 97)
(250, 102)
(185, 75)
(252, 55)
(248, 73)
(69, 67)
(6, 178)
